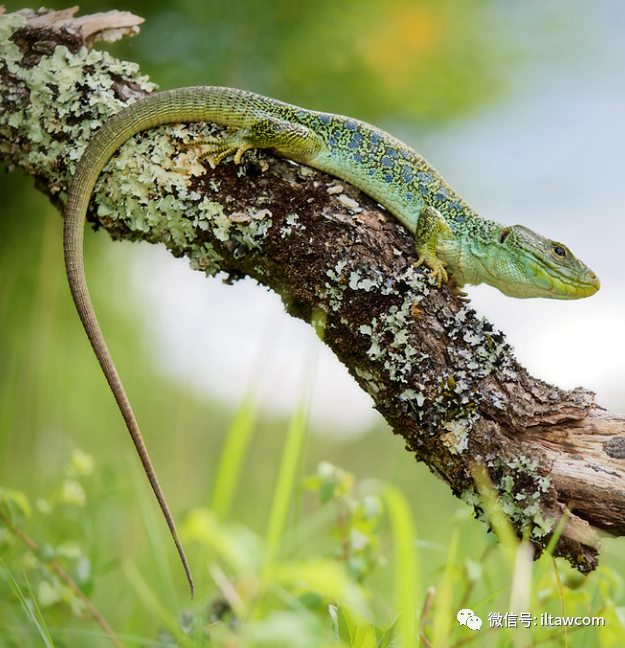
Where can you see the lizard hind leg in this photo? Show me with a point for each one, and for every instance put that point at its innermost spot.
(290, 140)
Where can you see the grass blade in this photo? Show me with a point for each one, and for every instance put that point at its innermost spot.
(406, 566)
(232, 457)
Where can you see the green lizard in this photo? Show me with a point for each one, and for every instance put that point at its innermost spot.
(448, 234)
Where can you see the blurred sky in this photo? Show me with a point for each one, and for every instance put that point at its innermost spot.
(548, 156)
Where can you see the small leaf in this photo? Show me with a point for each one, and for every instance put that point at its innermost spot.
(326, 492)
(81, 463)
(14, 504)
(73, 493)
(83, 570)
(388, 635)
(354, 629)
(47, 594)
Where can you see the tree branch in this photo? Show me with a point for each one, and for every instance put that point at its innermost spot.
(444, 379)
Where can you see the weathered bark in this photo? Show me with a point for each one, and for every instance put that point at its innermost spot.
(443, 378)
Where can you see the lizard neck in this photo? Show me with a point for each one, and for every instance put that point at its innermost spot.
(468, 253)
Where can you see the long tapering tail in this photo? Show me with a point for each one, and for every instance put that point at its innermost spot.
(183, 105)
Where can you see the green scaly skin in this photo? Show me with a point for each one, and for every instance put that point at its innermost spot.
(448, 233)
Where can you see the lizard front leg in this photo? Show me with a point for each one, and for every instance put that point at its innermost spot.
(430, 226)
(289, 140)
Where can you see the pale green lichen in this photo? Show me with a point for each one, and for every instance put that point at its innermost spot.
(414, 396)
(450, 400)
(369, 282)
(400, 356)
(9, 24)
(486, 349)
(254, 234)
(215, 185)
(209, 211)
(520, 490)
(335, 288)
(455, 436)
(292, 223)
(68, 96)
(335, 188)
(366, 283)
(206, 259)
(55, 88)
(349, 203)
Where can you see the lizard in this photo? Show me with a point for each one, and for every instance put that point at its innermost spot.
(450, 238)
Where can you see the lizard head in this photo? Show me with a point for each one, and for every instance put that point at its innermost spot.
(525, 264)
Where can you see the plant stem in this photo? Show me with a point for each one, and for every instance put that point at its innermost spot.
(54, 564)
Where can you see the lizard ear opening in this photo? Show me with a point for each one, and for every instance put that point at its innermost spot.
(504, 235)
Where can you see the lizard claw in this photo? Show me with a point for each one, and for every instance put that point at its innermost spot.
(217, 149)
(437, 268)
(457, 292)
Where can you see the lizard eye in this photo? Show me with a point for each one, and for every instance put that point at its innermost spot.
(559, 250)
(504, 235)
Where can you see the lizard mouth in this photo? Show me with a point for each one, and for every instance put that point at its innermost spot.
(592, 286)
(586, 289)
(562, 285)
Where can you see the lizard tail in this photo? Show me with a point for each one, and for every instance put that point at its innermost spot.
(186, 104)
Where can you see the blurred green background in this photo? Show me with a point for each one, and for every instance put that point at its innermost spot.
(519, 105)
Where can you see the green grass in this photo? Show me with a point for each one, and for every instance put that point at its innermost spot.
(261, 591)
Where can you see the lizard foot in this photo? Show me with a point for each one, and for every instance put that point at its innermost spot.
(219, 148)
(437, 268)
(457, 292)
